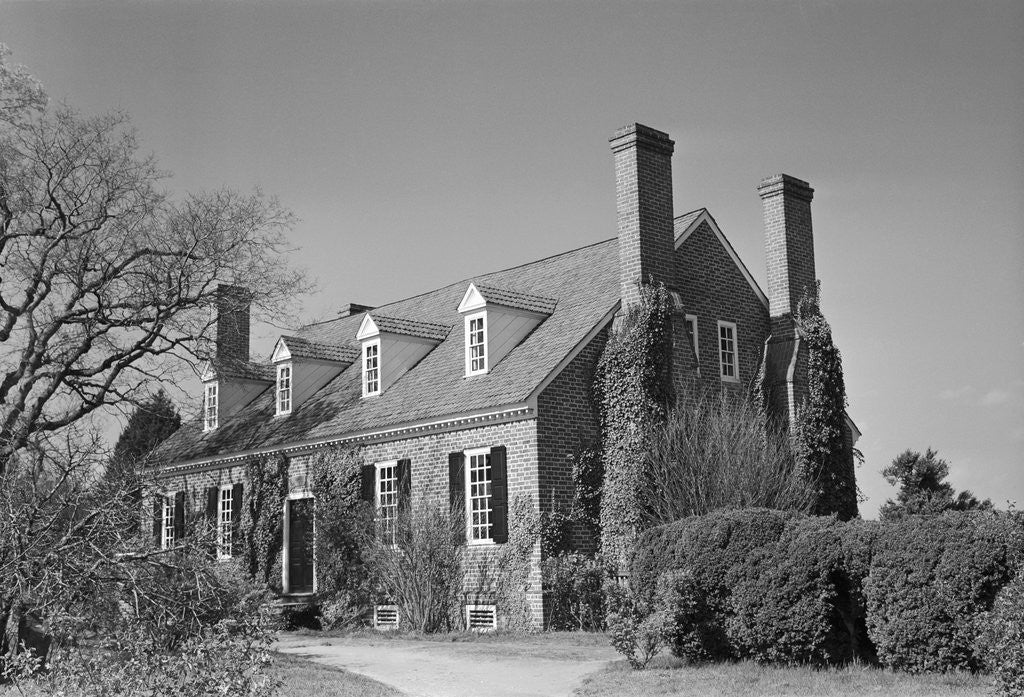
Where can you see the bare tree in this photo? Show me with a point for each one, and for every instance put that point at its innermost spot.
(721, 452)
(103, 272)
(106, 289)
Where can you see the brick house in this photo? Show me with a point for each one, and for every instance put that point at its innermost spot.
(481, 390)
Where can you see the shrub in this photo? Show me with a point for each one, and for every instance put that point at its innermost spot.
(636, 631)
(574, 592)
(689, 626)
(932, 580)
(787, 605)
(422, 572)
(1001, 643)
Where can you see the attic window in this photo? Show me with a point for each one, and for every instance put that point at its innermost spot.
(210, 406)
(371, 368)
(284, 389)
(476, 344)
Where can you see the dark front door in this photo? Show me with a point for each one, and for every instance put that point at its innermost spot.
(300, 546)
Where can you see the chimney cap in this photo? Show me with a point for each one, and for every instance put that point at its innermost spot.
(353, 309)
(785, 184)
(639, 135)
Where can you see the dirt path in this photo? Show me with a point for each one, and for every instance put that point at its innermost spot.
(527, 667)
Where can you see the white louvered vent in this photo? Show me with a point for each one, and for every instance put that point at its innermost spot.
(385, 616)
(481, 618)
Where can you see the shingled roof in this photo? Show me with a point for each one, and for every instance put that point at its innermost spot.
(299, 347)
(243, 370)
(583, 285)
(387, 324)
(515, 299)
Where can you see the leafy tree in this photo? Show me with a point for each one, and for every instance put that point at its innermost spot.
(821, 419)
(923, 488)
(150, 424)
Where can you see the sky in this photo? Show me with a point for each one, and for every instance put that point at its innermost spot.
(423, 143)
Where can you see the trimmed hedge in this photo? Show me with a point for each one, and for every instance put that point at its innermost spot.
(785, 588)
(931, 581)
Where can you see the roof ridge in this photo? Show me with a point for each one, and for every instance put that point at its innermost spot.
(470, 279)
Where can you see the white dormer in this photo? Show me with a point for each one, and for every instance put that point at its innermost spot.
(391, 346)
(496, 321)
(303, 367)
(228, 385)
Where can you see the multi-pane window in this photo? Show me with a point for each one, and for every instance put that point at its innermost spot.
(478, 494)
(210, 406)
(167, 523)
(284, 389)
(387, 500)
(224, 523)
(727, 350)
(691, 330)
(371, 368)
(476, 346)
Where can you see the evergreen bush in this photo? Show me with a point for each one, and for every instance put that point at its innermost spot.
(573, 587)
(1001, 643)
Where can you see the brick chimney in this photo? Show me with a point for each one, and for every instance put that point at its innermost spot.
(232, 305)
(643, 199)
(789, 247)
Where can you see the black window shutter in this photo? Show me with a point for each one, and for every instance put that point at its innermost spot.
(236, 518)
(499, 495)
(457, 494)
(404, 481)
(158, 519)
(212, 503)
(179, 517)
(212, 508)
(368, 484)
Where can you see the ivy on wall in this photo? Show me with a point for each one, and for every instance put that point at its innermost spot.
(633, 390)
(343, 522)
(267, 478)
(821, 419)
(512, 577)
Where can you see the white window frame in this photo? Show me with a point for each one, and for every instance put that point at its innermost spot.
(722, 364)
(386, 511)
(488, 608)
(225, 532)
(211, 405)
(488, 497)
(367, 383)
(691, 321)
(285, 388)
(482, 358)
(167, 520)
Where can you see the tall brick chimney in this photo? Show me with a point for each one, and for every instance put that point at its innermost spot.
(789, 247)
(232, 306)
(643, 198)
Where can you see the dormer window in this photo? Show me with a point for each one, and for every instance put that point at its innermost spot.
(476, 344)
(284, 389)
(210, 406)
(371, 368)
(497, 320)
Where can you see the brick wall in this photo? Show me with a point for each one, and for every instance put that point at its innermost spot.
(713, 288)
(567, 424)
(428, 457)
(233, 322)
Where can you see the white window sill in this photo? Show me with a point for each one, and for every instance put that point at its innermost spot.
(725, 379)
(480, 543)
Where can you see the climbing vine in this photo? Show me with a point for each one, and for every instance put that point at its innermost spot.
(633, 390)
(267, 486)
(343, 522)
(512, 578)
(821, 418)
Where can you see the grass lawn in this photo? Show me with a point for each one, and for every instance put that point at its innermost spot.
(669, 677)
(304, 678)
